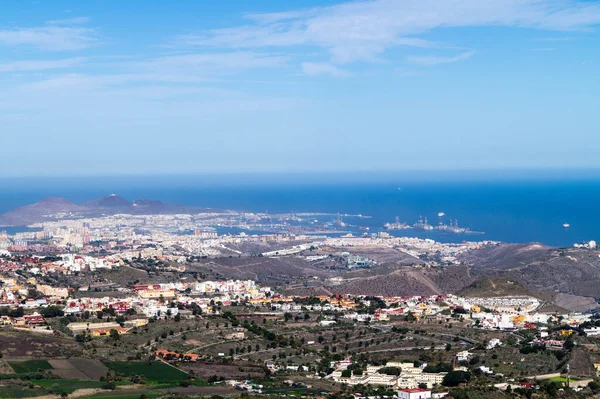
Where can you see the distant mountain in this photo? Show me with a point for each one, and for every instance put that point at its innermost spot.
(108, 202)
(54, 208)
(150, 206)
(39, 211)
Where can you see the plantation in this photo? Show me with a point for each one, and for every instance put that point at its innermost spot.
(68, 386)
(151, 371)
(29, 366)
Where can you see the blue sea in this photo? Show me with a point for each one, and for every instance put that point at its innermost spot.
(506, 208)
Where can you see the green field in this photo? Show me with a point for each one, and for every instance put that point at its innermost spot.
(122, 395)
(151, 371)
(561, 379)
(29, 366)
(68, 386)
(19, 392)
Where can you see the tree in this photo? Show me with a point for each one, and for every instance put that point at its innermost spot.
(455, 378)
(569, 343)
(51, 311)
(114, 334)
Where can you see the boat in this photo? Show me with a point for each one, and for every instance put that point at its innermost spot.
(397, 225)
(422, 224)
(566, 225)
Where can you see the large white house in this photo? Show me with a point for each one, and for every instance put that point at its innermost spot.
(414, 393)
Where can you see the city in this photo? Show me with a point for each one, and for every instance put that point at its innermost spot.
(270, 313)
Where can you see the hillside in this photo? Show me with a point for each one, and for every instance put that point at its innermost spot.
(108, 202)
(39, 211)
(57, 208)
(570, 270)
(497, 287)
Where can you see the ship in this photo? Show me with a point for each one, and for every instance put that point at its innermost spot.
(339, 222)
(396, 225)
(453, 227)
(423, 224)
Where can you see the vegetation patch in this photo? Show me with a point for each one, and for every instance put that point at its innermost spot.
(151, 371)
(29, 366)
(19, 392)
(67, 386)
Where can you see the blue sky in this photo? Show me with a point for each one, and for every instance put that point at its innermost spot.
(141, 87)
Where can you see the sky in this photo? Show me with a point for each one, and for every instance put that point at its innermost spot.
(192, 87)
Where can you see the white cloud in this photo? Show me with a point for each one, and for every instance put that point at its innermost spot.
(429, 60)
(173, 69)
(87, 81)
(318, 68)
(70, 21)
(51, 38)
(40, 65)
(363, 30)
(212, 62)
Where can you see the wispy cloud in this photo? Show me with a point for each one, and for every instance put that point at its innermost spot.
(317, 68)
(214, 62)
(40, 65)
(364, 30)
(430, 60)
(554, 39)
(70, 21)
(50, 38)
(173, 69)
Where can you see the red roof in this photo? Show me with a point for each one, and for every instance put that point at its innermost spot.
(414, 390)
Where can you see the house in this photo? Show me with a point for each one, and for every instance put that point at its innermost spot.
(175, 356)
(236, 335)
(527, 385)
(463, 356)
(96, 329)
(327, 322)
(414, 393)
(494, 342)
(590, 332)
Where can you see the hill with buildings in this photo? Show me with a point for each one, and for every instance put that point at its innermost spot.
(50, 209)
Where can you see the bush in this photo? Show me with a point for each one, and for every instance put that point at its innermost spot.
(109, 385)
(455, 378)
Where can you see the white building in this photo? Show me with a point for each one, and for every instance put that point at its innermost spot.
(592, 331)
(494, 342)
(414, 393)
(463, 356)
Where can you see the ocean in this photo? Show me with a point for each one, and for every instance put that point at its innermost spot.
(508, 210)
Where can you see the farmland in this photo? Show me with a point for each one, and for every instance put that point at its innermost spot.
(151, 371)
(78, 368)
(29, 366)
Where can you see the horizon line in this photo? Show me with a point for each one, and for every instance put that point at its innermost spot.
(516, 172)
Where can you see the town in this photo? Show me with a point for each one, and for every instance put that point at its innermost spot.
(161, 309)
